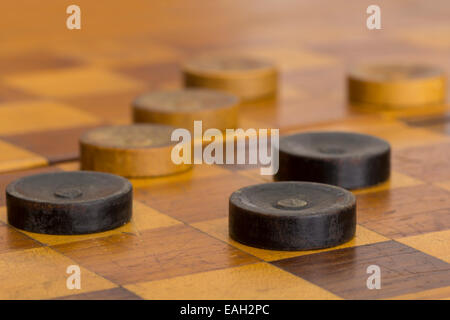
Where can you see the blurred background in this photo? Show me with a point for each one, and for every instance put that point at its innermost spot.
(127, 47)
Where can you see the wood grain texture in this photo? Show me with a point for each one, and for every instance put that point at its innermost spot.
(154, 254)
(182, 108)
(254, 281)
(37, 60)
(405, 212)
(180, 199)
(343, 272)
(12, 240)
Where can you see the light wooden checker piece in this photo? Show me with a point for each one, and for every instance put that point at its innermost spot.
(396, 86)
(139, 150)
(249, 78)
(180, 108)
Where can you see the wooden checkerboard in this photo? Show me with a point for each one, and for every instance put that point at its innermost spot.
(56, 83)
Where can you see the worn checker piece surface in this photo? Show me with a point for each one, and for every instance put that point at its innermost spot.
(56, 83)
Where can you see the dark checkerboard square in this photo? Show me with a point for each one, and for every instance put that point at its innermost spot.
(403, 212)
(154, 254)
(9, 94)
(344, 272)
(54, 145)
(428, 163)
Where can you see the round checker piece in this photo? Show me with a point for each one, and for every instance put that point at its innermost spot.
(134, 151)
(292, 216)
(69, 203)
(181, 108)
(396, 86)
(344, 159)
(248, 78)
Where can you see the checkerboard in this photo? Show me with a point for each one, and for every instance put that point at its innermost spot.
(56, 83)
